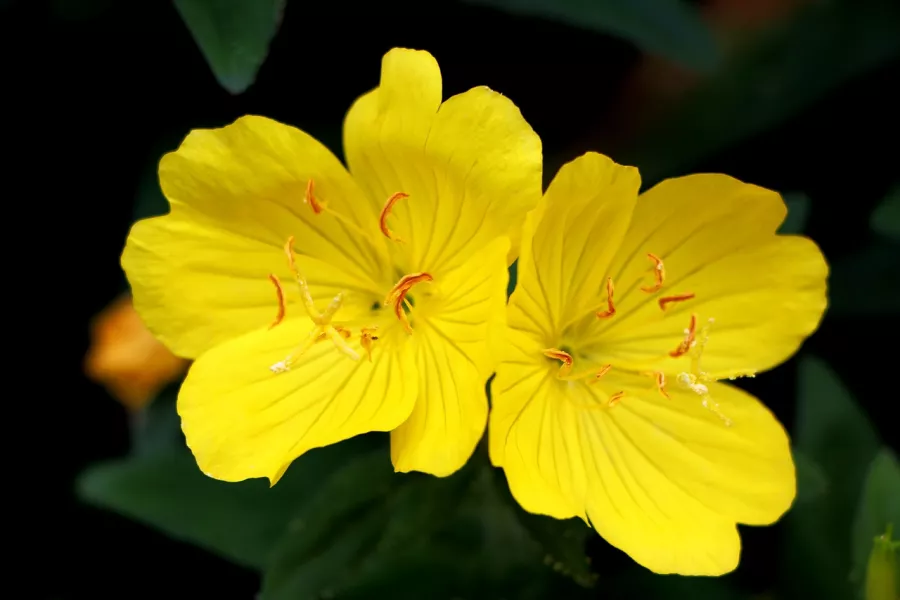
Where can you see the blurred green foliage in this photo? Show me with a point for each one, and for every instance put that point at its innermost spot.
(670, 28)
(341, 524)
(784, 72)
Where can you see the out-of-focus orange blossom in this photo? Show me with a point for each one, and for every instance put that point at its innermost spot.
(125, 357)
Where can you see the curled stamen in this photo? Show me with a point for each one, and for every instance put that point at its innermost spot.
(561, 355)
(367, 339)
(666, 300)
(310, 198)
(386, 211)
(689, 339)
(279, 292)
(615, 398)
(610, 306)
(397, 296)
(659, 274)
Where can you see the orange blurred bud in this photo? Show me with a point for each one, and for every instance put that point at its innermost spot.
(125, 357)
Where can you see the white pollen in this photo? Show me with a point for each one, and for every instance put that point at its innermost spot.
(280, 367)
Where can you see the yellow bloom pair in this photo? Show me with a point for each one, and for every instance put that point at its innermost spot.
(321, 304)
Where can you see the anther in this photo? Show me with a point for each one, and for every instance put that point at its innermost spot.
(385, 213)
(367, 339)
(659, 274)
(602, 371)
(279, 292)
(661, 383)
(310, 198)
(397, 296)
(615, 398)
(561, 355)
(689, 339)
(665, 301)
(610, 306)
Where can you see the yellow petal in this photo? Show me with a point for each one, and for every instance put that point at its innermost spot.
(471, 166)
(664, 480)
(199, 274)
(568, 244)
(716, 237)
(455, 345)
(243, 421)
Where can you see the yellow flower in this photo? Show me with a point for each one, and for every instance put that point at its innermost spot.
(606, 404)
(383, 310)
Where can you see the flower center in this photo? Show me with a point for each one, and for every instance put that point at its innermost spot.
(398, 297)
(692, 345)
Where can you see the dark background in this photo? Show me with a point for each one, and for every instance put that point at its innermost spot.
(115, 83)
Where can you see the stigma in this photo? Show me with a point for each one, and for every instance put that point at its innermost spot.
(323, 328)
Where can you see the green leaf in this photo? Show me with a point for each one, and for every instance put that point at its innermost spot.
(563, 543)
(867, 282)
(239, 521)
(811, 479)
(798, 213)
(362, 516)
(670, 28)
(772, 80)
(234, 35)
(879, 508)
(886, 217)
(370, 533)
(833, 432)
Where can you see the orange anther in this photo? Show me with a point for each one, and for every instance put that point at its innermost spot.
(310, 198)
(666, 300)
(561, 355)
(689, 339)
(614, 399)
(603, 371)
(659, 274)
(279, 292)
(397, 296)
(289, 252)
(367, 338)
(386, 211)
(610, 306)
(661, 383)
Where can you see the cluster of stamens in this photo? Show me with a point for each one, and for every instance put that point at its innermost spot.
(692, 345)
(323, 328)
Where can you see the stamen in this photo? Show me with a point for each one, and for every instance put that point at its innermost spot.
(611, 307)
(397, 296)
(666, 300)
(615, 398)
(603, 371)
(386, 211)
(279, 292)
(310, 198)
(367, 339)
(562, 356)
(661, 383)
(659, 274)
(689, 339)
